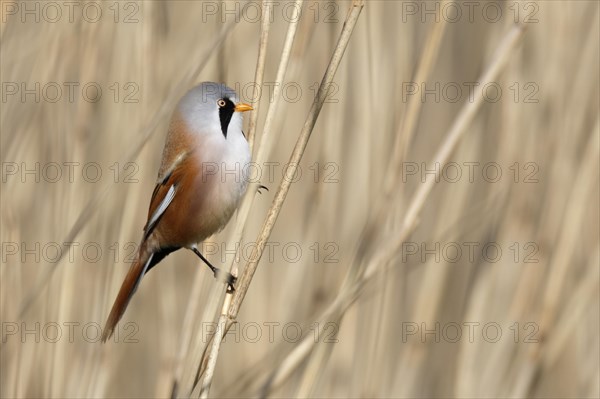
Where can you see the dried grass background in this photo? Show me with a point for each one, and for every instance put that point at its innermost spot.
(162, 54)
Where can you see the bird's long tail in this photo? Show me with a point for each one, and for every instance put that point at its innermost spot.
(130, 284)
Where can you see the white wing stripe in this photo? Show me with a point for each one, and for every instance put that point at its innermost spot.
(162, 207)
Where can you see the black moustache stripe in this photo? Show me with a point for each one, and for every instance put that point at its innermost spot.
(225, 114)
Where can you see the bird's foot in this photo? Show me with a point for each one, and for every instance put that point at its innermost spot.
(228, 278)
(262, 187)
(220, 275)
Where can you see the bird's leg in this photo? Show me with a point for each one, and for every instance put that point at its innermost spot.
(217, 272)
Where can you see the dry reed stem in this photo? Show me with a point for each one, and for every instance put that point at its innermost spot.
(248, 200)
(186, 334)
(407, 128)
(404, 133)
(295, 158)
(574, 217)
(214, 348)
(370, 358)
(573, 313)
(267, 5)
(403, 139)
(265, 140)
(244, 210)
(230, 312)
(464, 118)
(382, 259)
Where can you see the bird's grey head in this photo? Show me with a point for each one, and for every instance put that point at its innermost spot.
(213, 108)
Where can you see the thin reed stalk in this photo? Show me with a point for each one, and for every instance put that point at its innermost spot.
(229, 317)
(389, 249)
(266, 8)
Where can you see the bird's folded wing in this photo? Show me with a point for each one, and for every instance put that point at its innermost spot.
(165, 192)
(162, 207)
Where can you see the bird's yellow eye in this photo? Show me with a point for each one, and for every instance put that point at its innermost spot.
(221, 103)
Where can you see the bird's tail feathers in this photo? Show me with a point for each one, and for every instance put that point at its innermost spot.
(128, 288)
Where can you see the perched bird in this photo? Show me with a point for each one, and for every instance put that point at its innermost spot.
(196, 192)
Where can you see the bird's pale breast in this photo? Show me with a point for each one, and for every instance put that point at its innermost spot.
(209, 186)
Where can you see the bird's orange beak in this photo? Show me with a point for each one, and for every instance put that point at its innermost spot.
(243, 107)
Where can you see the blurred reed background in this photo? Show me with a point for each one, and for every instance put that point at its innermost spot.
(494, 293)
